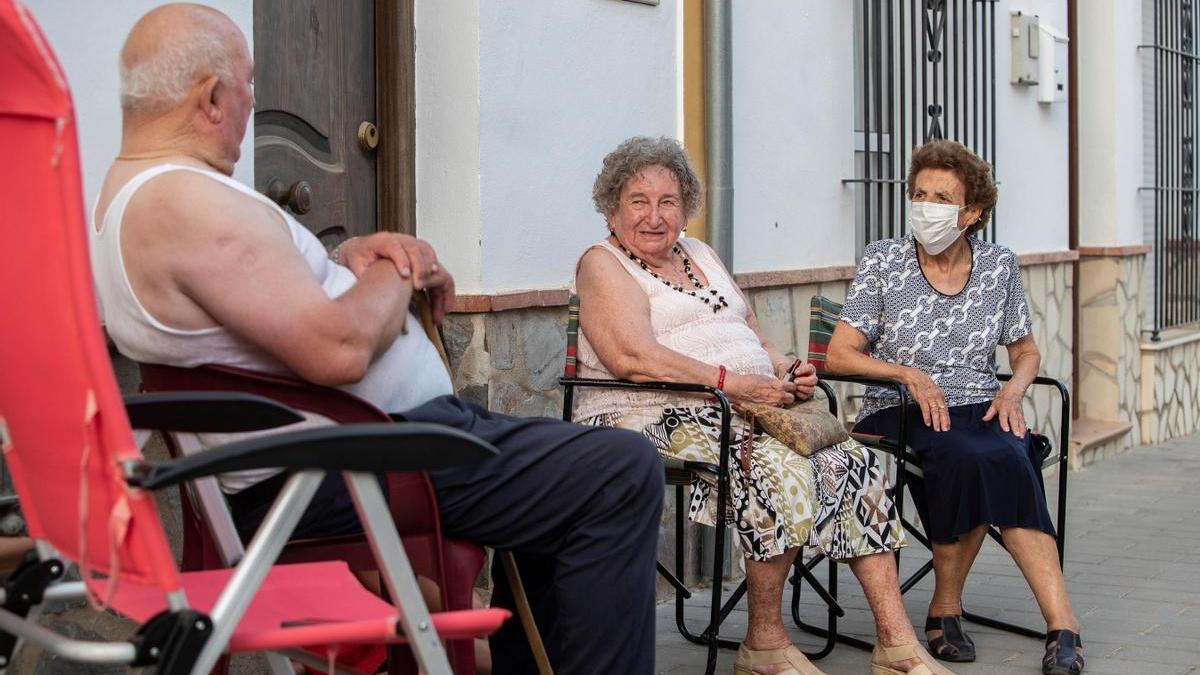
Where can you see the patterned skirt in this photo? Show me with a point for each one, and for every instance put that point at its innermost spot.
(833, 500)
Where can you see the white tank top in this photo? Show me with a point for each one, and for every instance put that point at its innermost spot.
(682, 323)
(407, 374)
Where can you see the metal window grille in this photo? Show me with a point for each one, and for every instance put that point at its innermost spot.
(1176, 256)
(924, 69)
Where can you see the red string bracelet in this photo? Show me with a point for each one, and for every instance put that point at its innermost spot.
(721, 377)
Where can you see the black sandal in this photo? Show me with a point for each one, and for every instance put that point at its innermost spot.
(1061, 656)
(954, 644)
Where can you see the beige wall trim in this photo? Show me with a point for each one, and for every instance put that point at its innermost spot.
(1172, 337)
(1047, 257)
(1114, 251)
(499, 302)
(811, 275)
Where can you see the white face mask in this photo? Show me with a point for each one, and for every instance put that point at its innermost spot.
(934, 225)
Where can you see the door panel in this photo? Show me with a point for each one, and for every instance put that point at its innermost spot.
(314, 87)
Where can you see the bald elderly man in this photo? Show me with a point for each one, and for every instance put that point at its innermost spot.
(193, 267)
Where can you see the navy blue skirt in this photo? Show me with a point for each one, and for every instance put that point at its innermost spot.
(975, 474)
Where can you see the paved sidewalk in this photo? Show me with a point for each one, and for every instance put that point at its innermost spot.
(1133, 558)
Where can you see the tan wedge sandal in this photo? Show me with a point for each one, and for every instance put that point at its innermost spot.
(883, 658)
(791, 656)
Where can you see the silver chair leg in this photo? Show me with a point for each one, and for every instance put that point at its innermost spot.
(264, 550)
(396, 572)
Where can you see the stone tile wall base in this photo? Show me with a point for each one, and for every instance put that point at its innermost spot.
(1111, 315)
(1170, 404)
(1102, 451)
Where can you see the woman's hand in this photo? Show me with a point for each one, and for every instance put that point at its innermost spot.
(1007, 405)
(927, 395)
(760, 389)
(803, 375)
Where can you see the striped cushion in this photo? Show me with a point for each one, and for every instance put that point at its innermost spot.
(572, 335)
(823, 318)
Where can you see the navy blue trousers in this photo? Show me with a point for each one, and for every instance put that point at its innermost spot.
(579, 507)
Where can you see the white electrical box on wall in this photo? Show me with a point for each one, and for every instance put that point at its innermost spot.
(1026, 49)
(1052, 65)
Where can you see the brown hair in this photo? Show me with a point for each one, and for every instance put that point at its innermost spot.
(975, 174)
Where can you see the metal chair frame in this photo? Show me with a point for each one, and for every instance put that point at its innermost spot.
(908, 466)
(680, 475)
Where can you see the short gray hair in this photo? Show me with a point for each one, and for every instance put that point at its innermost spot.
(162, 80)
(637, 153)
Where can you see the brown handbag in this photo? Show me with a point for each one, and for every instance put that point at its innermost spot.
(804, 427)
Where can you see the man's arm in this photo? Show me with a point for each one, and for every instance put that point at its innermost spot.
(235, 262)
(414, 258)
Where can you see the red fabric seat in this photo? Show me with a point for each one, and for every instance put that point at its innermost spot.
(299, 604)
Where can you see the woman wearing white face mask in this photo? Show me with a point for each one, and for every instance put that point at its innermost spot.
(929, 310)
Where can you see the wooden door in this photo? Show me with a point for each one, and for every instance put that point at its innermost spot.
(314, 87)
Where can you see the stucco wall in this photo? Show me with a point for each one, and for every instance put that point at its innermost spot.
(561, 84)
(1031, 145)
(1110, 118)
(793, 134)
(447, 134)
(87, 37)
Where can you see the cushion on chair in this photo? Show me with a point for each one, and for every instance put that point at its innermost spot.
(823, 318)
(569, 368)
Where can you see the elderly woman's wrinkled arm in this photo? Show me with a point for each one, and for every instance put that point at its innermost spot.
(846, 356)
(614, 314)
(1024, 359)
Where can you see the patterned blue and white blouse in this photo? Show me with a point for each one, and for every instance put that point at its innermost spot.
(952, 338)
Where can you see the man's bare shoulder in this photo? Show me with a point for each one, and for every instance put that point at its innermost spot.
(188, 205)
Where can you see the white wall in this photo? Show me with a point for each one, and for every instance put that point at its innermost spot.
(87, 38)
(793, 134)
(561, 84)
(1111, 123)
(447, 135)
(1031, 145)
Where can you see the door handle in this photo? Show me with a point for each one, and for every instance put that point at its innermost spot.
(298, 197)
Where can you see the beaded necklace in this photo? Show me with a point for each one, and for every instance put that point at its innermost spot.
(717, 302)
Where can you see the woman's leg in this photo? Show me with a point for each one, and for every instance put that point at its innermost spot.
(877, 574)
(764, 597)
(951, 563)
(1037, 557)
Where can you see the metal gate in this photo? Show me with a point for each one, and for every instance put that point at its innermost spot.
(925, 69)
(1175, 266)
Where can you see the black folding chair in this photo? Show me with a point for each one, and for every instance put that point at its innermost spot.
(909, 477)
(680, 474)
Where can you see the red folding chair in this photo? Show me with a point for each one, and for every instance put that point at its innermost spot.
(85, 489)
(210, 539)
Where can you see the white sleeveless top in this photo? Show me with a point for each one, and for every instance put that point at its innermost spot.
(407, 374)
(682, 323)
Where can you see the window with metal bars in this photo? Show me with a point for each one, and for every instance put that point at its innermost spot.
(1175, 266)
(924, 69)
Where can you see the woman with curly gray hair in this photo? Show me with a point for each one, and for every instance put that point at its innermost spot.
(659, 306)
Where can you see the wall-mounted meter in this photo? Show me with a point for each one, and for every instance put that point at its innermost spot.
(1052, 66)
(1039, 57)
(1026, 49)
